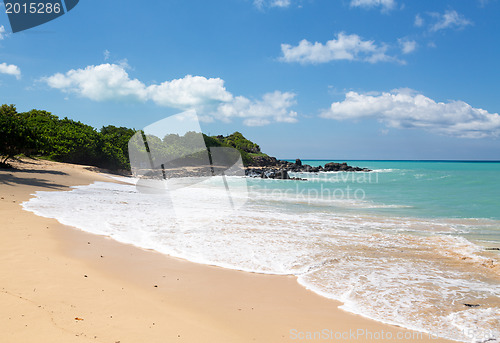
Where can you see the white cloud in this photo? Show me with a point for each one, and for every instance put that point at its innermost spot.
(99, 83)
(280, 3)
(10, 69)
(273, 106)
(107, 54)
(385, 4)
(207, 96)
(449, 19)
(190, 91)
(419, 21)
(3, 33)
(260, 4)
(405, 108)
(345, 47)
(407, 46)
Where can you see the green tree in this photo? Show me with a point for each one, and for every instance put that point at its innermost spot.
(238, 141)
(246, 147)
(16, 135)
(114, 144)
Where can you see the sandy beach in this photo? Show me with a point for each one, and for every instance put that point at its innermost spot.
(60, 284)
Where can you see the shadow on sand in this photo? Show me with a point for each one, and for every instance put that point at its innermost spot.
(13, 177)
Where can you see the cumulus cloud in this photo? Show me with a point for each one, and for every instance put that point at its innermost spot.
(407, 46)
(3, 33)
(344, 47)
(273, 106)
(190, 91)
(272, 3)
(107, 54)
(208, 96)
(405, 108)
(99, 83)
(10, 69)
(384, 4)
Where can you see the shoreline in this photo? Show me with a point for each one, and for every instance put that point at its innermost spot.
(68, 274)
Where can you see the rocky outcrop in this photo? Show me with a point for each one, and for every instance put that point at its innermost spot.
(332, 166)
(264, 161)
(271, 168)
(264, 173)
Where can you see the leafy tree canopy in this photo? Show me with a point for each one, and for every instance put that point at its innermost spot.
(16, 135)
(40, 133)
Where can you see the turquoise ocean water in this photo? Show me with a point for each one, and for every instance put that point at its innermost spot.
(434, 188)
(429, 189)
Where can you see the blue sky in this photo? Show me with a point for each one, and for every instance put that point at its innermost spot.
(332, 79)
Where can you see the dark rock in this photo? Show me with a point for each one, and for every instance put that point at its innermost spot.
(282, 175)
(306, 168)
(264, 161)
(275, 174)
(297, 168)
(268, 174)
(332, 166)
(472, 305)
(298, 162)
(271, 173)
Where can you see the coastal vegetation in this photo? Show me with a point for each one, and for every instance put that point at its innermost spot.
(39, 133)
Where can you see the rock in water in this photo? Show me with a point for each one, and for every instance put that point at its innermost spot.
(472, 305)
(282, 175)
